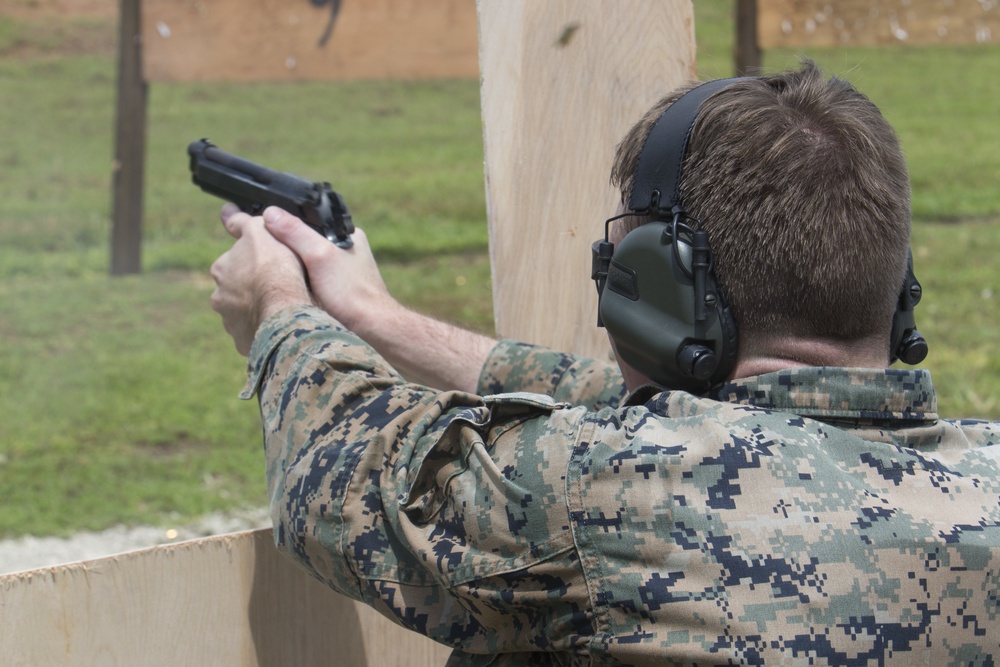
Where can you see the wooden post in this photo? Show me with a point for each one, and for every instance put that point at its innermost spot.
(747, 54)
(130, 145)
(562, 83)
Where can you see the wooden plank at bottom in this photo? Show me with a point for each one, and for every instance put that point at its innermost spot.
(226, 600)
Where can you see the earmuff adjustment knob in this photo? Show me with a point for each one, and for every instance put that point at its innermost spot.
(913, 348)
(697, 361)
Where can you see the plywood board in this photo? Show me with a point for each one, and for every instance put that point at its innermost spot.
(562, 81)
(797, 23)
(255, 40)
(224, 601)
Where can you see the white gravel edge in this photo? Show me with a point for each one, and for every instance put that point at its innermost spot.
(30, 553)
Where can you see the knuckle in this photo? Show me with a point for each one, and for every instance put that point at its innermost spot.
(216, 270)
(317, 253)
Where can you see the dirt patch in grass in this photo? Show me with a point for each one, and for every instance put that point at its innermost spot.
(38, 28)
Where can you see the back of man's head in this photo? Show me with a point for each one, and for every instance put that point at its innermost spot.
(802, 187)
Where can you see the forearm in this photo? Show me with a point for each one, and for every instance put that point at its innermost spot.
(425, 350)
(443, 356)
(348, 285)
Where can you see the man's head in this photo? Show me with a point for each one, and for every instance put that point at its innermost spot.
(801, 185)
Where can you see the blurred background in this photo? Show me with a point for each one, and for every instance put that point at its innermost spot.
(118, 394)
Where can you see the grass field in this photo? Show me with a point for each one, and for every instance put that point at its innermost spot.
(119, 395)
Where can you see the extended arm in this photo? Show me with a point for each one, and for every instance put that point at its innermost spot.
(431, 352)
(347, 284)
(361, 464)
(261, 276)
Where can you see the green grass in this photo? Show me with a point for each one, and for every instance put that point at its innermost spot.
(943, 102)
(960, 313)
(121, 405)
(119, 395)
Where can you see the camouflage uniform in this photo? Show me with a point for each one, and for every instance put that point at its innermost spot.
(809, 516)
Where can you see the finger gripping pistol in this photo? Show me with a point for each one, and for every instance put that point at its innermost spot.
(253, 188)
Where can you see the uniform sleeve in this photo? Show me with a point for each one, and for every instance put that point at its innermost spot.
(443, 511)
(514, 367)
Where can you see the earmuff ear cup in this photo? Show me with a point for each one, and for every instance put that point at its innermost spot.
(648, 308)
(905, 342)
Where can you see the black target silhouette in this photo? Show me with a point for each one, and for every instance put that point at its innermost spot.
(334, 10)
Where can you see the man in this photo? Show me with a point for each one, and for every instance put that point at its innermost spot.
(808, 507)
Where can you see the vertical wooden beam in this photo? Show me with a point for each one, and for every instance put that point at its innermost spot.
(747, 54)
(562, 82)
(130, 145)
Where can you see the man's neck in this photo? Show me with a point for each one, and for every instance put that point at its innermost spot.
(778, 353)
(781, 353)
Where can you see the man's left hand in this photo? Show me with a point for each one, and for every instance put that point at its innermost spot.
(255, 278)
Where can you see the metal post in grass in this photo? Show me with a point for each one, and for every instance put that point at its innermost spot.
(747, 52)
(130, 145)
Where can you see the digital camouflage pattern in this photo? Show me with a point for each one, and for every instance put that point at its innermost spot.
(811, 516)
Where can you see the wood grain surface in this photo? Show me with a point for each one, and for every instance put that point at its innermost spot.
(562, 81)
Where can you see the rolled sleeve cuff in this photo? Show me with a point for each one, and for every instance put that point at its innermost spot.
(519, 367)
(294, 320)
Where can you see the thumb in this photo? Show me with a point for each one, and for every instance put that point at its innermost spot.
(290, 230)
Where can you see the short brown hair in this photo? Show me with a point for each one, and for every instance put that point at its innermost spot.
(802, 187)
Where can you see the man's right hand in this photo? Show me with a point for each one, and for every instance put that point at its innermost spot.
(347, 284)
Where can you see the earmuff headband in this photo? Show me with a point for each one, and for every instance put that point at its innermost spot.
(657, 180)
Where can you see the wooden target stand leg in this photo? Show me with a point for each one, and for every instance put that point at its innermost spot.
(562, 80)
(128, 168)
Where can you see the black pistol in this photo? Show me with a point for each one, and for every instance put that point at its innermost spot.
(253, 188)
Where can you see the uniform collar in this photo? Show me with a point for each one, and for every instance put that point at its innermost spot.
(833, 392)
(826, 393)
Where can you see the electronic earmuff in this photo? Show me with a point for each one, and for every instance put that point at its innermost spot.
(658, 297)
(663, 308)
